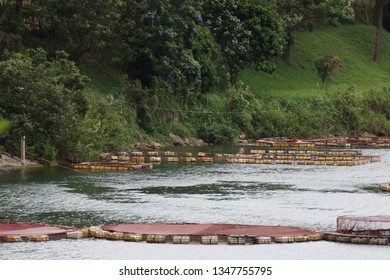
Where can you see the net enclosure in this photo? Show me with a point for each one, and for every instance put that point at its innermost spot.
(371, 225)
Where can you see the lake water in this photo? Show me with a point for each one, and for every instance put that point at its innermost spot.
(303, 196)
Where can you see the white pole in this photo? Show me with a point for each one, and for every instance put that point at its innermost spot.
(23, 150)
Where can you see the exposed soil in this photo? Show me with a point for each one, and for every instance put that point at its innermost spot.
(8, 160)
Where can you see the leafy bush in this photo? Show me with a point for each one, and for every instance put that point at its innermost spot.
(379, 101)
(375, 123)
(327, 67)
(346, 112)
(242, 108)
(156, 106)
(376, 113)
(212, 125)
(109, 125)
(218, 133)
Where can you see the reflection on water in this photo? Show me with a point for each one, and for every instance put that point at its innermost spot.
(304, 196)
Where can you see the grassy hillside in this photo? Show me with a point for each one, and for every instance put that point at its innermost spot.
(354, 44)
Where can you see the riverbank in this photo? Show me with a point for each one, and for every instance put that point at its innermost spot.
(9, 161)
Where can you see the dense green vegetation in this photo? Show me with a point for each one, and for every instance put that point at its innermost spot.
(140, 70)
(43, 100)
(349, 105)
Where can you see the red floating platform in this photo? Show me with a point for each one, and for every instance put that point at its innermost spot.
(222, 231)
(27, 230)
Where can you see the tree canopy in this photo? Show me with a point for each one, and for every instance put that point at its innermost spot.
(305, 14)
(249, 33)
(164, 39)
(42, 99)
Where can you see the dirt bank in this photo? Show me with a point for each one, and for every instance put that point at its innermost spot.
(8, 160)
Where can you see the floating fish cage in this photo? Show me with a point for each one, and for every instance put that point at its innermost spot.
(371, 230)
(258, 156)
(304, 159)
(345, 142)
(385, 187)
(111, 166)
(372, 226)
(311, 152)
(273, 151)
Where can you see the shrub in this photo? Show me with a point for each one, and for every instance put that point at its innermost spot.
(218, 133)
(242, 109)
(327, 67)
(346, 111)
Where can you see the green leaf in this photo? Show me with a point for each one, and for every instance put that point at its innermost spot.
(4, 125)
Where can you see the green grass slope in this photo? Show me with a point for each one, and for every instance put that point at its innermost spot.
(354, 44)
